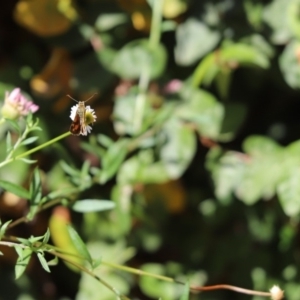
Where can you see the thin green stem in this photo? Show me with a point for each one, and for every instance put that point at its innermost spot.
(137, 271)
(43, 145)
(10, 159)
(154, 39)
(155, 31)
(82, 268)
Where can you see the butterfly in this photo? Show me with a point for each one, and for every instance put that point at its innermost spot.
(78, 125)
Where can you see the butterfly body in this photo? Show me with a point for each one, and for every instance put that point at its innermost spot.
(78, 125)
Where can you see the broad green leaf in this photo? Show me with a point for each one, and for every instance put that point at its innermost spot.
(190, 49)
(91, 205)
(227, 174)
(289, 193)
(14, 189)
(79, 244)
(142, 168)
(235, 114)
(43, 262)
(138, 57)
(276, 16)
(22, 261)
(289, 64)
(233, 54)
(203, 109)
(260, 178)
(259, 146)
(179, 148)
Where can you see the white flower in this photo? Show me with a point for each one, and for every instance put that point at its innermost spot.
(276, 293)
(89, 118)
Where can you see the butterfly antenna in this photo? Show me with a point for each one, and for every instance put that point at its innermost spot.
(90, 97)
(72, 98)
(84, 100)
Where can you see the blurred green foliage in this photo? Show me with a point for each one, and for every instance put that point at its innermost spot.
(191, 170)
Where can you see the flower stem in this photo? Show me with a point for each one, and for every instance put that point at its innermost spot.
(9, 160)
(43, 145)
(155, 31)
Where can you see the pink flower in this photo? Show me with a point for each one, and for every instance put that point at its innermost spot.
(17, 105)
(173, 86)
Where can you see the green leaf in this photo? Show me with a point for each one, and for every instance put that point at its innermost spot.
(43, 262)
(3, 228)
(155, 288)
(28, 161)
(8, 142)
(138, 57)
(46, 236)
(238, 54)
(22, 261)
(104, 140)
(112, 159)
(53, 262)
(276, 16)
(289, 65)
(92, 205)
(15, 189)
(29, 140)
(259, 146)
(142, 168)
(179, 148)
(186, 292)
(97, 263)
(235, 114)
(203, 109)
(79, 244)
(190, 49)
(14, 125)
(289, 193)
(35, 193)
(108, 21)
(70, 170)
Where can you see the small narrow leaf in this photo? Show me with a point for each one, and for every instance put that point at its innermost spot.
(46, 236)
(43, 262)
(14, 189)
(3, 228)
(28, 161)
(79, 244)
(14, 124)
(8, 143)
(104, 140)
(97, 263)
(29, 140)
(23, 260)
(53, 262)
(91, 205)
